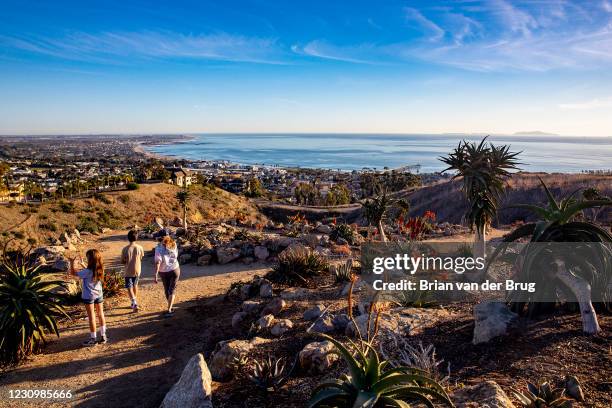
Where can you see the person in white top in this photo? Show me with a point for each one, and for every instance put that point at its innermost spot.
(167, 267)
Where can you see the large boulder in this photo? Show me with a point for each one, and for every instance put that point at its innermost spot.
(193, 389)
(204, 260)
(224, 356)
(251, 306)
(491, 319)
(317, 358)
(486, 394)
(227, 255)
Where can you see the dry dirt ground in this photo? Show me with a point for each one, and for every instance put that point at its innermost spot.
(146, 352)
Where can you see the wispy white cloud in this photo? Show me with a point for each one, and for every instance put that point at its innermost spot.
(607, 6)
(324, 50)
(597, 103)
(109, 47)
(433, 31)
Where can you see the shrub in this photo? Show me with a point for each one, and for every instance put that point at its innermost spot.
(298, 265)
(132, 186)
(343, 231)
(102, 198)
(88, 224)
(343, 272)
(371, 383)
(66, 207)
(124, 198)
(112, 283)
(399, 351)
(28, 309)
(49, 226)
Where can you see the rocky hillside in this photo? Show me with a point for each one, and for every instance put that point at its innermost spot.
(123, 209)
(447, 201)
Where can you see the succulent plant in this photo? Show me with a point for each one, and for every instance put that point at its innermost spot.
(269, 374)
(343, 272)
(297, 266)
(543, 396)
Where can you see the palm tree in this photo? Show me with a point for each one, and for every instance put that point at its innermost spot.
(582, 275)
(483, 168)
(183, 199)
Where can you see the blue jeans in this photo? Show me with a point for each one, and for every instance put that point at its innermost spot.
(93, 301)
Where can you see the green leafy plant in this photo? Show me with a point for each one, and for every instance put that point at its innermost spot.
(543, 396)
(132, 186)
(269, 374)
(343, 272)
(29, 306)
(414, 298)
(374, 211)
(343, 231)
(558, 224)
(297, 266)
(371, 383)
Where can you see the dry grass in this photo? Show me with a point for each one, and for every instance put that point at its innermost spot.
(447, 201)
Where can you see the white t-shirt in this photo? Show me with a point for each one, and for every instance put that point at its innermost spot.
(168, 258)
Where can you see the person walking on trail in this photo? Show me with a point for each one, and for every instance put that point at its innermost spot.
(131, 257)
(167, 267)
(92, 276)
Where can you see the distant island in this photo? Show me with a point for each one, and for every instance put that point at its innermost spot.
(534, 133)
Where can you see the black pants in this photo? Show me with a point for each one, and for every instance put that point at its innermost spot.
(169, 279)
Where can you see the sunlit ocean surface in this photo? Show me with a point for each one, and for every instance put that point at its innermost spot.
(349, 152)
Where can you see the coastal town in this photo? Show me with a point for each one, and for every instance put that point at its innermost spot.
(36, 169)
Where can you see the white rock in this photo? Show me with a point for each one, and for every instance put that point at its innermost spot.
(491, 319)
(223, 357)
(281, 327)
(193, 389)
(314, 312)
(265, 322)
(317, 357)
(486, 394)
(274, 307)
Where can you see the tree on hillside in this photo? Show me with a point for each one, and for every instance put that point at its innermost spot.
(183, 197)
(483, 168)
(254, 188)
(374, 211)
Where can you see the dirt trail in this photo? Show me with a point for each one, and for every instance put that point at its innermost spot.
(146, 352)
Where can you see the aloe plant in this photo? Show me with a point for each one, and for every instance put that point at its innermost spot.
(543, 396)
(558, 223)
(371, 383)
(29, 306)
(270, 374)
(374, 211)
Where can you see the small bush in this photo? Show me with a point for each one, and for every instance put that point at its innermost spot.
(88, 224)
(343, 231)
(102, 198)
(67, 207)
(49, 226)
(113, 283)
(124, 198)
(132, 186)
(297, 266)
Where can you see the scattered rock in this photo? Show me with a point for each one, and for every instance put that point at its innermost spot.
(251, 306)
(312, 240)
(341, 321)
(572, 386)
(324, 325)
(105, 230)
(204, 260)
(238, 318)
(193, 389)
(317, 357)
(295, 293)
(185, 258)
(491, 319)
(245, 291)
(265, 290)
(265, 322)
(385, 323)
(274, 307)
(486, 394)
(281, 327)
(357, 287)
(61, 264)
(324, 229)
(227, 255)
(314, 312)
(261, 252)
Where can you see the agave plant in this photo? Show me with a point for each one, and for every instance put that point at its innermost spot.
(28, 309)
(343, 272)
(370, 383)
(483, 168)
(297, 266)
(543, 396)
(269, 374)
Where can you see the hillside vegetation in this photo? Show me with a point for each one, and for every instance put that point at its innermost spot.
(123, 209)
(449, 204)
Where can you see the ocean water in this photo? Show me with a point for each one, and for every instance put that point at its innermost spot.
(357, 151)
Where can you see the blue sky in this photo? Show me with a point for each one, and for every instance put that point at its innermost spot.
(494, 66)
